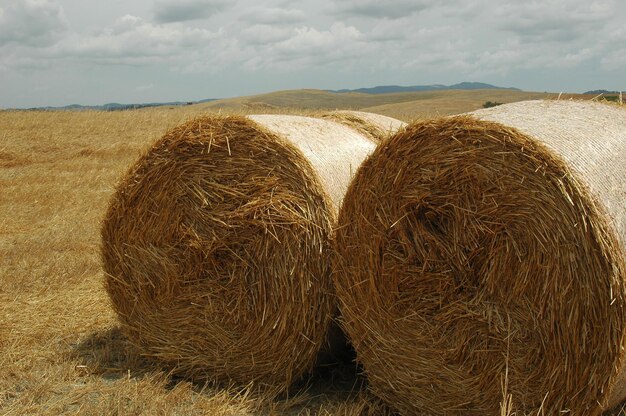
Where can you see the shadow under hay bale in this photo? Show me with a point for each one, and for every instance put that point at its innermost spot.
(481, 261)
(109, 355)
(216, 246)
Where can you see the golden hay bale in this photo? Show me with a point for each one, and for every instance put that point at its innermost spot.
(216, 245)
(376, 126)
(481, 260)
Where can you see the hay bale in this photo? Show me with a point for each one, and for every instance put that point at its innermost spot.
(482, 258)
(376, 126)
(216, 245)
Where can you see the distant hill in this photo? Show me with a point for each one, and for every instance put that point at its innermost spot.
(406, 106)
(298, 98)
(598, 92)
(387, 89)
(443, 103)
(403, 105)
(118, 106)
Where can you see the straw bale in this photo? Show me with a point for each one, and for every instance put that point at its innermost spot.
(482, 258)
(376, 126)
(216, 245)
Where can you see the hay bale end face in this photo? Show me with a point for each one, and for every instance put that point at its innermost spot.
(481, 260)
(216, 245)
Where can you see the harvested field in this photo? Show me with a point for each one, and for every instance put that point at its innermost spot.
(482, 261)
(61, 346)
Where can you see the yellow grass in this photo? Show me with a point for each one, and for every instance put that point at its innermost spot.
(60, 348)
(61, 351)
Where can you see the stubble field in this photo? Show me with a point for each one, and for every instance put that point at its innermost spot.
(61, 351)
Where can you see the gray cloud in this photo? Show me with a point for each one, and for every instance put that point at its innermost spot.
(553, 20)
(35, 23)
(10, 60)
(132, 40)
(392, 9)
(563, 45)
(615, 62)
(274, 16)
(615, 57)
(169, 11)
(386, 30)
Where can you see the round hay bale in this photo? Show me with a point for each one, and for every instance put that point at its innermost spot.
(376, 126)
(216, 245)
(482, 262)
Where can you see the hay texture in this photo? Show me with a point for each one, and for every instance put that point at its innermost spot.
(482, 262)
(216, 245)
(375, 126)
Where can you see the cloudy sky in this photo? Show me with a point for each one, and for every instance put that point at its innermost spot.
(58, 52)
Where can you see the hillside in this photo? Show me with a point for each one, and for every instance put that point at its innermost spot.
(393, 100)
(383, 89)
(403, 105)
(309, 100)
(456, 102)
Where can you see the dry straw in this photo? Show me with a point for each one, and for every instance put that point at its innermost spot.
(482, 262)
(376, 126)
(216, 245)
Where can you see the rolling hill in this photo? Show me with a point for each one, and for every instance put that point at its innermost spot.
(384, 89)
(402, 105)
(401, 102)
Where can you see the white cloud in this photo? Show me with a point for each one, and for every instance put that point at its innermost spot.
(573, 58)
(308, 47)
(125, 24)
(219, 56)
(404, 32)
(318, 46)
(35, 23)
(169, 11)
(501, 61)
(439, 55)
(389, 31)
(516, 55)
(264, 34)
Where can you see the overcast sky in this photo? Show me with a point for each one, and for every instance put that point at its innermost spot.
(58, 52)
